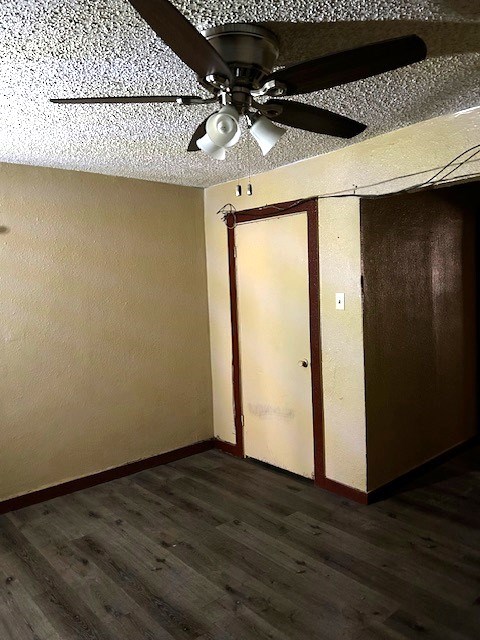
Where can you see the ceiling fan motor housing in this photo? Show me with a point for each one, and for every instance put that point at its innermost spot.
(250, 51)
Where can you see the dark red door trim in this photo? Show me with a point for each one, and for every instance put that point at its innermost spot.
(284, 208)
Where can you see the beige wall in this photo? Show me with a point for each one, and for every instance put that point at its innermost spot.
(103, 317)
(342, 342)
(413, 149)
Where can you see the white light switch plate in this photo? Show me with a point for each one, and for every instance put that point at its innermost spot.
(340, 301)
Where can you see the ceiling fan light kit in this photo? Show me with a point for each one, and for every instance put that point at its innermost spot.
(223, 128)
(210, 148)
(235, 63)
(223, 131)
(265, 132)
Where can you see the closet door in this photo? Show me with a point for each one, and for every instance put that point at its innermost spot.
(274, 328)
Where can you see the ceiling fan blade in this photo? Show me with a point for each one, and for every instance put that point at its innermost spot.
(348, 66)
(182, 37)
(200, 131)
(134, 99)
(308, 118)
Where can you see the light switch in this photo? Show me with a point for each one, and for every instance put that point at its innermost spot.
(340, 301)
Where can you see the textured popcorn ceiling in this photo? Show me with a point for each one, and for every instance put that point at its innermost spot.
(70, 48)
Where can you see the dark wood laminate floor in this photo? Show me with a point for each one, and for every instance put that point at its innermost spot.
(215, 548)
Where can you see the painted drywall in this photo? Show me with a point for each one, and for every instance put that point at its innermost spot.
(373, 166)
(104, 327)
(342, 342)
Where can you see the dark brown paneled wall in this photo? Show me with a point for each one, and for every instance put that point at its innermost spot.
(418, 254)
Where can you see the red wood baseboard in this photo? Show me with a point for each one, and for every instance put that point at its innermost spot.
(35, 497)
(228, 447)
(389, 489)
(19, 502)
(343, 490)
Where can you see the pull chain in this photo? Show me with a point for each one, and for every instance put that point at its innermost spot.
(249, 185)
(238, 189)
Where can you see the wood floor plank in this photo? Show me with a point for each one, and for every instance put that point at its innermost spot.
(54, 597)
(227, 578)
(250, 594)
(452, 587)
(376, 631)
(20, 618)
(232, 585)
(180, 619)
(414, 626)
(424, 548)
(102, 595)
(341, 593)
(194, 551)
(217, 548)
(372, 526)
(379, 578)
(306, 500)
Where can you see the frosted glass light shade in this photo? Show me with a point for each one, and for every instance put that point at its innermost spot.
(210, 148)
(223, 128)
(266, 133)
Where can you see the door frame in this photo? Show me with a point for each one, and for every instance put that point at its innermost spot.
(310, 207)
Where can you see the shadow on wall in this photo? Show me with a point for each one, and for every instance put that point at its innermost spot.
(302, 41)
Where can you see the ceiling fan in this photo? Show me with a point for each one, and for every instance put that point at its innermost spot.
(234, 63)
